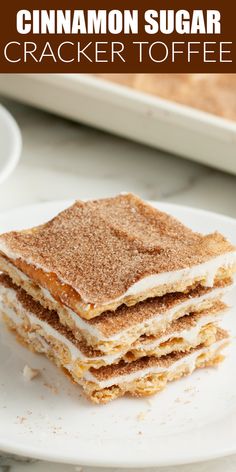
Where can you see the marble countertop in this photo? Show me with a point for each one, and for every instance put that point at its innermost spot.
(65, 160)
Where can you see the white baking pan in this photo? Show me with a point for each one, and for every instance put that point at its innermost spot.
(157, 122)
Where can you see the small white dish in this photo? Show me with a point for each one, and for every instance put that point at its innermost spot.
(48, 418)
(11, 143)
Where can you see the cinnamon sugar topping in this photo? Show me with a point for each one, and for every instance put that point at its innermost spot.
(102, 247)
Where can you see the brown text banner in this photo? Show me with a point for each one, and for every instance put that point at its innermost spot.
(125, 37)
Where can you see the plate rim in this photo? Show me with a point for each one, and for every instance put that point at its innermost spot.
(128, 461)
(122, 464)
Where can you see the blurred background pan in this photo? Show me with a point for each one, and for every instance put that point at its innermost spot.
(126, 112)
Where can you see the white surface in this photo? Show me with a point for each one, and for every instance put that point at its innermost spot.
(193, 419)
(65, 160)
(10, 143)
(151, 120)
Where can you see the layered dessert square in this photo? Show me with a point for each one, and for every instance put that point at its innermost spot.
(98, 255)
(121, 296)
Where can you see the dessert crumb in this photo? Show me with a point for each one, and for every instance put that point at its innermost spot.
(149, 402)
(178, 400)
(21, 419)
(188, 389)
(141, 416)
(51, 387)
(29, 373)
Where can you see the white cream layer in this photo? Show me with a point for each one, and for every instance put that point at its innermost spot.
(188, 360)
(190, 336)
(205, 270)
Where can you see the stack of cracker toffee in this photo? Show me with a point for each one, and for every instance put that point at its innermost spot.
(120, 295)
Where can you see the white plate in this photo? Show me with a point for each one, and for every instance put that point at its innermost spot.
(175, 128)
(10, 139)
(194, 419)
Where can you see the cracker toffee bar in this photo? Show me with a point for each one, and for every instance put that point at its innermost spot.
(122, 297)
(41, 327)
(98, 255)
